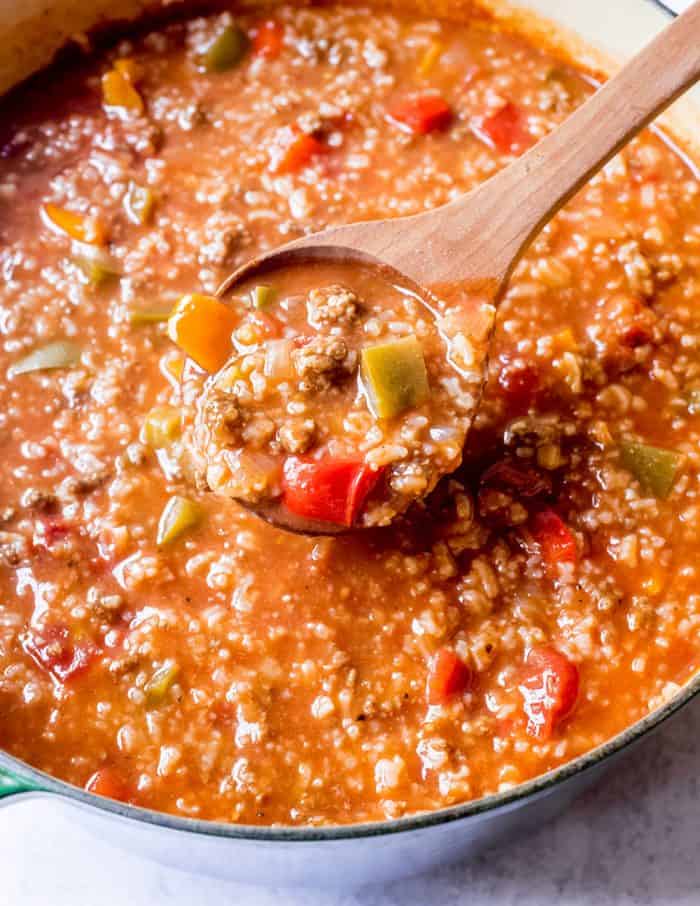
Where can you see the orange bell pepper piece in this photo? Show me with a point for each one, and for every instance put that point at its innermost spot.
(295, 150)
(118, 91)
(130, 69)
(81, 227)
(202, 327)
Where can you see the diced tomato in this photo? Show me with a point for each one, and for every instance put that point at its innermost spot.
(51, 530)
(448, 676)
(56, 651)
(330, 490)
(108, 783)
(505, 130)
(421, 113)
(268, 39)
(519, 384)
(268, 324)
(554, 537)
(294, 150)
(549, 688)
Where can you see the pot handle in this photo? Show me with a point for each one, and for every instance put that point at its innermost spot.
(11, 784)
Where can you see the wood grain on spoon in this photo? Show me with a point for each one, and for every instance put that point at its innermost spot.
(477, 239)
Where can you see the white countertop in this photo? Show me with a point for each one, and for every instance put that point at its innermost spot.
(633, 841)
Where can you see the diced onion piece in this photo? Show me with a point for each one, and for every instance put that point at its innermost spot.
(655, 468)
(202, 327)
(179, 515)
(81, 227)
(138, 203)
(394, 376)
(96, 265)
(161, 426)
(159, 684)
(226, 50)
(278, 359)
(59, 354)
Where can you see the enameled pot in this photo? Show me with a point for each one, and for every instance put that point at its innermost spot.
(596, 32)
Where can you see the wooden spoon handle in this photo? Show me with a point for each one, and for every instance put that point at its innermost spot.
(504, 214)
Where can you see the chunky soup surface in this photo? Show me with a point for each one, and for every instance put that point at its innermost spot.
(338, 403)
(163, 646)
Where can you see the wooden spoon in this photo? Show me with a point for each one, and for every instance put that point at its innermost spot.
(478, 238)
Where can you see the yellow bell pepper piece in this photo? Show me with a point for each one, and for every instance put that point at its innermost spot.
(179, 515)
(430, 57)
(161, 426)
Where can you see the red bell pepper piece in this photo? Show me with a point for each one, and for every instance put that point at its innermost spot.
(268, 39)
(329, 490)
(554, 537)
(53, 649)
(107, 782)
(294, 150)
(421, 113)
(448, 676)
(549, 688)
(505, 130)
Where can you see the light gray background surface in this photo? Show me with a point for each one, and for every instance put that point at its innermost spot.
(633, 841)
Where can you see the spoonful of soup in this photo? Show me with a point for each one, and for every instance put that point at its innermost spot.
(335, 379)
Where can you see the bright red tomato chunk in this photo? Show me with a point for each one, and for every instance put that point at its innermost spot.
(505, 130)
(268, 39)
(330, 490)
(554, 537)
(448, 676)
(549, 688)
(422, 113)
(56, 651)
(107, 782)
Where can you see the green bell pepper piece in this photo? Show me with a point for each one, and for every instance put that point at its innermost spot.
(158, 685)
(654, 468)
(394, 376)
(226, 50)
